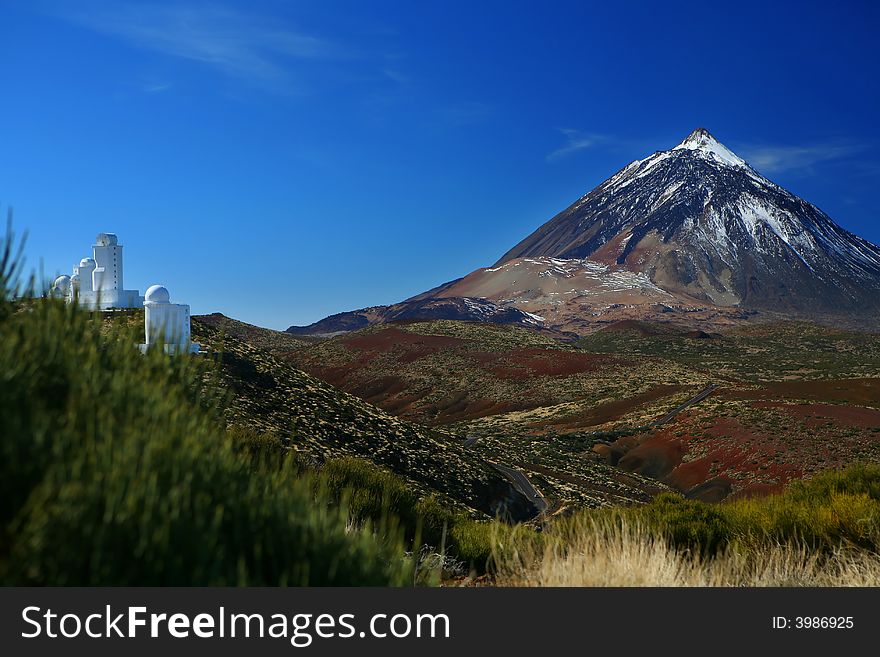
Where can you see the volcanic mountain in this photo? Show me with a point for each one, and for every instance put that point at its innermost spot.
(693, 230)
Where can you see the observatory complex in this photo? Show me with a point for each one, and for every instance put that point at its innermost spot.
(96, 284)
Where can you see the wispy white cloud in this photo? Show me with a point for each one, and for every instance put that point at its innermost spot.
(229, 40)
(575, 141)
(396, 75)
(778, 159)
(156, 88)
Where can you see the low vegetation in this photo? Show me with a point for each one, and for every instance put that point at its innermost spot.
(793, 399)
(116, 469)
(375, 497)
(631, 555)
(822, 532)
(836, 508)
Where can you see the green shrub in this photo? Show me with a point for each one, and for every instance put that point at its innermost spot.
(115, 470)
(857, 479)
(263, 451)
(834, 509)
(371, 493)
(171, 513)
(687, 525)
(374, 494)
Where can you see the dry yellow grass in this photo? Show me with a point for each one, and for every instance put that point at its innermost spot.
(630, 556)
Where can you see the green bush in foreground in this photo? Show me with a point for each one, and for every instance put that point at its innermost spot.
(115, 470)
(834, 509)
(373, 494)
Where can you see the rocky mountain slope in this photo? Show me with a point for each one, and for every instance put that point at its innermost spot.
(423, 308)
(268, 394)
(270, 391)
(579, 295)
(698, 221)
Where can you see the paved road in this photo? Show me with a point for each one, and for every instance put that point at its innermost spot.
(696, 399)
(522, 484)
(517, 478)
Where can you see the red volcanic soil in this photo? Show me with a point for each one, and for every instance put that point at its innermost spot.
(656, 457)
(642, 253)
(642, 328)
(610, 411)
(864, 392)
(516, 364)
(528, 362)
(378, 366)
(647, 329)
(414, 345)
(819, 415)
(713, 458)
(710, 462)
(461, 406)
(610, 251)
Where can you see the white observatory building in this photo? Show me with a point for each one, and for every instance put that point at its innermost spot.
(166, 324)
(96, 282)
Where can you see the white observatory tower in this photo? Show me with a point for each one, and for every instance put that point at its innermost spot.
(107, 276)
(97, 282)
(166, 323)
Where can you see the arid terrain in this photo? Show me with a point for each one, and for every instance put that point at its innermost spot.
(577, 417)
(272, 390)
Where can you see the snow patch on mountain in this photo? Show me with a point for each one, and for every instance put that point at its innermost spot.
(702, 142)
(758, 215)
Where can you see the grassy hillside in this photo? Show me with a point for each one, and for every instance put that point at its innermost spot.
(267, 394)
(115, 468)
(278, 343)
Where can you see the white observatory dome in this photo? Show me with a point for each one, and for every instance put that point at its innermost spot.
(106, 239)
(87, 262)
(61, 285)
(157, 294)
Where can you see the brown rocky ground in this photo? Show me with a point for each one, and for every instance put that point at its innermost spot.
(270, 394)
(793, 398)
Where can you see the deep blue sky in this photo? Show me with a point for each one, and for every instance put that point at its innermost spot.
(281, 161)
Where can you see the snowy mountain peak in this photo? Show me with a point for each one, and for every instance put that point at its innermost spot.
(698, 221)
(702, 141)
(698, 137)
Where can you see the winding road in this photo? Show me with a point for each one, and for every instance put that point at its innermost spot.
(696, 399)
(523, 486)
